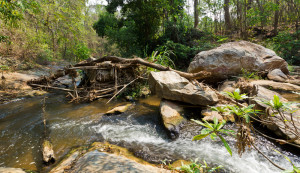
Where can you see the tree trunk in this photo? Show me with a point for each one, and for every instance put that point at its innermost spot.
(196, 14)
(227, 17)
(276, 17)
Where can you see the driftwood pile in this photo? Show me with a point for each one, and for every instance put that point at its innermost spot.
(104, 77)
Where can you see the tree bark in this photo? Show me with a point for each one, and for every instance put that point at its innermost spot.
(276, 17)
(227, 17)
(196, 14)
(114, 59)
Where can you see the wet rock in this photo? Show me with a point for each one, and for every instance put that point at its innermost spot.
(209, 115)
(65, 164)
(277, 75)
(172, 117)
(276, 85)
(95, 161)
(11, 170)
(230, 58)
(48, 153)
(170, 85)
(119, 109)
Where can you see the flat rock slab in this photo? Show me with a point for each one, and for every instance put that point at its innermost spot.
(11, 170)
(277, 126)
(276, 85)
(95, 161)
(171, 86)
(65, 164)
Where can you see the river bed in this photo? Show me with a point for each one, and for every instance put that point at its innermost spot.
(139, 129)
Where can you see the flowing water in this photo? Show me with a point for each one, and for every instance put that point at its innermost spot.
(139, 129)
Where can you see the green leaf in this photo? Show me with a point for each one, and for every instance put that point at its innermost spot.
(199, 137)
(226, 145)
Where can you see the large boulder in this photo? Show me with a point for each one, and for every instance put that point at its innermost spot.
(171, 86)
(171, 114)
(230, 58)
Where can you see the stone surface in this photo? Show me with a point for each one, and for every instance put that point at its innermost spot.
(48, 153)
(95, 161)
(228, 60)
(11, 170)
(171, 86)
(209, 115)
(294, 81)
(276, 85)
(118, 109)
(14, 86)
(277, 75)
(276, 126)
(172, 117)
(65, 164)
(227, 86)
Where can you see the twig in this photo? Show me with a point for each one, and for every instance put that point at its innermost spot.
(122, 89)
(51, 87)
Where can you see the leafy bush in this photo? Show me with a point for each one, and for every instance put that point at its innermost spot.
(287, 46)
(196, 167)
(81, 52)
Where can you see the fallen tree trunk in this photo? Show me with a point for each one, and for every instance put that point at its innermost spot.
(122, 63)
(115, 59)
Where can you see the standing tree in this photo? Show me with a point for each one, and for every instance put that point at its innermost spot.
(227, 16)
(196, 14)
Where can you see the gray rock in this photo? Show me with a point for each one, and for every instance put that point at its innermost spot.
(277, 126)
(276, 85)
(11, 170)
(170, 85)
(95, 161)
(227, 86)
(277, 75)
(228, 60)
(172, 117)
(65, 164)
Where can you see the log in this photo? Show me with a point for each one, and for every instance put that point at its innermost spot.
(134, 61)
(122, 63)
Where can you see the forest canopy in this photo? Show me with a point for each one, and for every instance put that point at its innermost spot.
(45, 31)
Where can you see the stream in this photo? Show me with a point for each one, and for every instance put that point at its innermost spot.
(139, 129)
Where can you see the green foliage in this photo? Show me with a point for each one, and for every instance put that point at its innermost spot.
(196, 167)
(280, 106)
(236, 94)
(214, 130)
(161, 58)
(143, 27)
(81, 52)
(4, 67)
(287, 46)
(243, 112)
(250, 75)
(12, 10)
